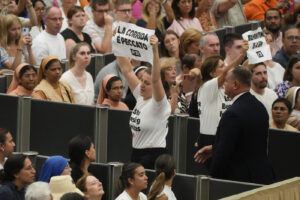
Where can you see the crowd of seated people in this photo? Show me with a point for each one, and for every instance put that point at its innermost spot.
(57, 30)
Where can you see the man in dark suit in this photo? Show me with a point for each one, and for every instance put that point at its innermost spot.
(240, 149)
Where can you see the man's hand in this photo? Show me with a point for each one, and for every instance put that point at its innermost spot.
(108, 19)
(203, 154)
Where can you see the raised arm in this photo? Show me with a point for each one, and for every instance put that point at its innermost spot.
(32, 14)
(157, 86)
(127, 71)
(225, 5)
(236, 62)
(106, 44)
(169, 11)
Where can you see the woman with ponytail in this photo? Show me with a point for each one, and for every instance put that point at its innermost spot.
(165, 173)
(131, 182)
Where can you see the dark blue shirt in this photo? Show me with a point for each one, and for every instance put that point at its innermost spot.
(281, 57)
(9, 191)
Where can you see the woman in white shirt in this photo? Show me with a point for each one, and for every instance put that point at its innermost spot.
(132, 181)
(149, 118)
(165, 172)
(77, 77)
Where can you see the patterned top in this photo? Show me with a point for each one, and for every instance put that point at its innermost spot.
(208, 21)
(282, 88)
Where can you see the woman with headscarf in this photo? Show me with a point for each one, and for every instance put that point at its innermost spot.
(24, 81)
(111, 92)
(49, 87)
(54, 166)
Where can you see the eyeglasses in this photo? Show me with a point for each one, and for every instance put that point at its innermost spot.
(101, 11)
(57, 19)
(40, 9)
(118, 88)
(125, 11)
(279, 108)
(292, 38)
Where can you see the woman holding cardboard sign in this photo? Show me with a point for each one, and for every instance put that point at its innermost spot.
(149, 119)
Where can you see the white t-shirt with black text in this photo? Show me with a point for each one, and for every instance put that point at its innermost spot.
(149, 122)
(212, 103)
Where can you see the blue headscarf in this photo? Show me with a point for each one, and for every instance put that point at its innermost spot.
(54, 166)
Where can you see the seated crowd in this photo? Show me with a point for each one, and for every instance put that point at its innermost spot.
(187, 77)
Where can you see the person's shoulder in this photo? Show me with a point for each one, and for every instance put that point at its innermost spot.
(6, 191)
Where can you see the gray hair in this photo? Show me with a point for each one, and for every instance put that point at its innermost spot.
(202, 39)
(38, 190)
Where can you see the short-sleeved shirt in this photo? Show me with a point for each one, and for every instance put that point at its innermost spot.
(94, 31)
(149, 121)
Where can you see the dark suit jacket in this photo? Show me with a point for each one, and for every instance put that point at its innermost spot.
(240, 149)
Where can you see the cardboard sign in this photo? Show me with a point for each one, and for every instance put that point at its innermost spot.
(132, 41)
(259, 50)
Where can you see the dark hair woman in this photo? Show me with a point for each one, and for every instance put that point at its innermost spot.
(7, 145)
(82, 153)
(165, 172)
(17, 173)
(132, 181)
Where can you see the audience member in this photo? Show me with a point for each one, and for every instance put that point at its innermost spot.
(259, 82)
(99, 27)
(291, 44)
(165, 172)
(212, 100)
(77, 77)
(233, 46)
(170, 45)
(189, 42)
(256, 9)
(72, 196)
(91, 187)
(294, 98)
(54, 166)
(132, 181)
(153, 16)
(50, 42)
(60, 185)
(40, 8)
(184, 11)
(24, 81)
(81, 153)
(49, 87)
(273, 24)
(209, 45)
(137, 7)
(73, 34)
(129, 100)
(229, 12)
(16, 175)
(38, 191)
(64, 9)
(244, 124)
(281, 110)
(111, 92)
(149, 118)
(17, 46)
(205, 16)
(291, 76)
(123, 12)
(7, 146)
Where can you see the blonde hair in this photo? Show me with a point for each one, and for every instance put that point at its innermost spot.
(159, 17)
(189, 36)
(166, 62)
(73, 52)
(7, 22)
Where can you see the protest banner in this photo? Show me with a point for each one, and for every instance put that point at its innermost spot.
(133, 42)
(259, 50)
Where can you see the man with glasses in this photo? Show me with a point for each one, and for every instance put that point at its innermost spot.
(123, 12)
(50, 41)
(291, 44)
(99, 27)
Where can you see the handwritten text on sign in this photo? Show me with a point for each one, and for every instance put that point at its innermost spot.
(133, 42)
(259, 50)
